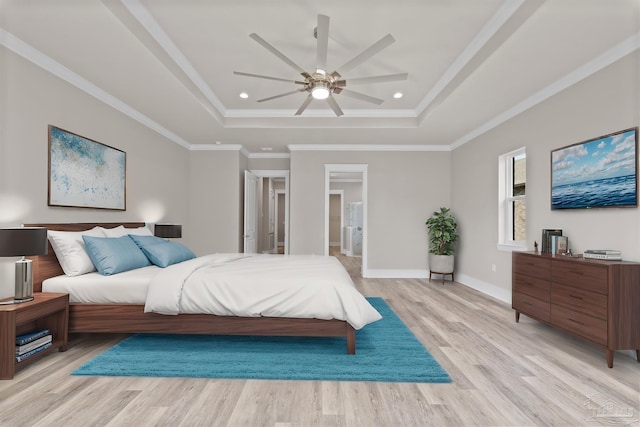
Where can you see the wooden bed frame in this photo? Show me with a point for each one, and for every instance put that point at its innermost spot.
(129, 318)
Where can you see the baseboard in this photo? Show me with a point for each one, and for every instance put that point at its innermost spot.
(484, 287)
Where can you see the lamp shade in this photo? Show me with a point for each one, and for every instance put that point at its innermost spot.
(171, 231)
(23, 241)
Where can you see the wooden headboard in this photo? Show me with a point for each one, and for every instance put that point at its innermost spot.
(46, 266)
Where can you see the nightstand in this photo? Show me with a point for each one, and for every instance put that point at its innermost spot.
(48, 310)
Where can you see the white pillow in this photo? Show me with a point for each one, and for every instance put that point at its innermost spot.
(70, 250)
(113, 232)
(120, 231)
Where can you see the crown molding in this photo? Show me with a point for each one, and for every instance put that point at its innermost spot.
(366, 147)
(142, 15)
(264, 113)
(612, 55)
(357, 118)
(269, 155)
(52, 66)
(217, 147)
(497, 21)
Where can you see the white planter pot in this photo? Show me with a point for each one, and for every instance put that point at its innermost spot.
(442, 264)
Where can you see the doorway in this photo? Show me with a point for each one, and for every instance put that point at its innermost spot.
(354, 173)
(262, 207)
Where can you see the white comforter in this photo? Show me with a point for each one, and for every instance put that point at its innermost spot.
(245, 285)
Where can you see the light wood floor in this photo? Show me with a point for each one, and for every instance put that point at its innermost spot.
(504, 374)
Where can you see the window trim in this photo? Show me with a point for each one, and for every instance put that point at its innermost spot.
(505, 200)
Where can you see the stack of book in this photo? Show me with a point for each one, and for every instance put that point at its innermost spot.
(550, 241)
(605, 254)
(32, 343)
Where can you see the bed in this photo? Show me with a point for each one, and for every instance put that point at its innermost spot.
(125, 317)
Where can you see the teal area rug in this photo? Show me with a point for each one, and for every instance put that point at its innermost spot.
(386, 350)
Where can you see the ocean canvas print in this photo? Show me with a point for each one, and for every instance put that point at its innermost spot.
(598, 173)
(85, 173)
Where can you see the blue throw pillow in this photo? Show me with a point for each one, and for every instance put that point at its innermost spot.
(161, 252)
(143, 241)
(113, 255)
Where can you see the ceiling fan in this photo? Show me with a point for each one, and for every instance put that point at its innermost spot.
(323, 85)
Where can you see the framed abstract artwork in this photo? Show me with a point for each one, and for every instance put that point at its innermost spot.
(84, 173)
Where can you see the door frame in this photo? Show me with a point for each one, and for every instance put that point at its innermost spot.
(349, 168)
(279, 174)
(277, 212)
(250, 206)
(341, 194)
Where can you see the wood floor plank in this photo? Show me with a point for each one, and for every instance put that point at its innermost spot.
(504, 374)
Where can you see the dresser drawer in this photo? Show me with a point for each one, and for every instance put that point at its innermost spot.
(580, 275)
(589, 327)
(531, 265)
(532, 286)
(583, 301)
(531, 306)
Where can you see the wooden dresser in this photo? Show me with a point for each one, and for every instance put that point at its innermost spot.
(598, 301)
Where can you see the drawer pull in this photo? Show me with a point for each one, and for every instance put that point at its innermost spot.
(575, 296)
(575, 321)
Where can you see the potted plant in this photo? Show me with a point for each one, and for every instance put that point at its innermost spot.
(443, 234)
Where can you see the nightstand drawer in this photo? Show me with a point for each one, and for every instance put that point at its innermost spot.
(589, 327)
(580, 275)
(531, 306)
(587, 302)
(532, 286)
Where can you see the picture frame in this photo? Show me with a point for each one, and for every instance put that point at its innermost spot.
(601, 172)
(84, 173)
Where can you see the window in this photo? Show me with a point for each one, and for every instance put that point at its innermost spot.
(512, 202)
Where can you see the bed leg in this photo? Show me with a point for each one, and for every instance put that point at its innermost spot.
(351, 340)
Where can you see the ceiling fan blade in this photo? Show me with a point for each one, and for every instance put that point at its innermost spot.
(367, 53)
(374, 79)
(322, 34)
(239, 73)
(304, 105)
(281, 95)
(334, 106)
(279, 54)
(362, 97)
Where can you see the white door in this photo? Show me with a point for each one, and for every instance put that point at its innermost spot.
(250, 213)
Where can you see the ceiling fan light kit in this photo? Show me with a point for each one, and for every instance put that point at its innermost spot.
(323, 86)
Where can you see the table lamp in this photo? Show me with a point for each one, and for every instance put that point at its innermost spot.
(23, 241)
(168, 231)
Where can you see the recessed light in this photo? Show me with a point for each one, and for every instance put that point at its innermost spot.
(397, 95)
(244, 95)
(266, 148)
(218, 142)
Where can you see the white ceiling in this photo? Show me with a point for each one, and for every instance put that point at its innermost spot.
(472, 64)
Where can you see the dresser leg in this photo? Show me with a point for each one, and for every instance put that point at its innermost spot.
(610, 358)
(517, 316)
(638, 355)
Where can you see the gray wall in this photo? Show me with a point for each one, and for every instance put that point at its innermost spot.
(215, 199)
(157, 176)
(603, 103)
(403, 190)
(261, 163)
